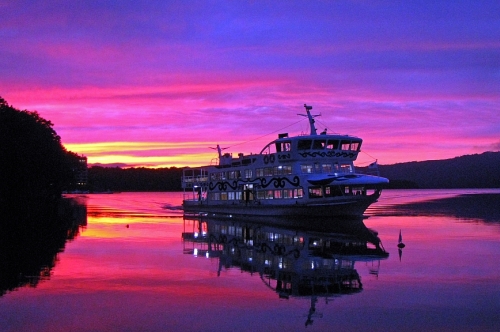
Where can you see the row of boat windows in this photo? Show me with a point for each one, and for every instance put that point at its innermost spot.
(320, 144)
(314, 192)
(259, 236)
(283, 170)
(326, 168)
(331, 191)
(248, 173)
(252, 237)
(259, 194)
(288, 264)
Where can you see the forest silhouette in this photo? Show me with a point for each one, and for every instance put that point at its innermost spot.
(34, 165)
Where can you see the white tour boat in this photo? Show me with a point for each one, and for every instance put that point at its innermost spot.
(301, 176)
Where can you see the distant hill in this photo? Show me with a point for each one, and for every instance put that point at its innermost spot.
(134, 179)
(469, 171)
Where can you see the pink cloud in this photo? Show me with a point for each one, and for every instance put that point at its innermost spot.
(176, 73)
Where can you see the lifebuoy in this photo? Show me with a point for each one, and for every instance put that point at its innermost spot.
(271, 158)
(266, 159)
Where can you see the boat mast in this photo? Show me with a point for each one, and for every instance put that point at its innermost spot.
(311, 119)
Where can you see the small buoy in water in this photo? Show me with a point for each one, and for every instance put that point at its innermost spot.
(127, 226)
(401, 245)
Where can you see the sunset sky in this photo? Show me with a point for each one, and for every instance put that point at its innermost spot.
(156, 83)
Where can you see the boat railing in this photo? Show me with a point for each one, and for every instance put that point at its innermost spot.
(371, 169)
(195, 179)
(368, 171)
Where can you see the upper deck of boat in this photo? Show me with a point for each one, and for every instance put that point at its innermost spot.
(285, 149)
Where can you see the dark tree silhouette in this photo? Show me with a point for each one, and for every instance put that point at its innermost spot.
(134, 179)
(33, 162)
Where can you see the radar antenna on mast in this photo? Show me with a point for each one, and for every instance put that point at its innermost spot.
(311, 118)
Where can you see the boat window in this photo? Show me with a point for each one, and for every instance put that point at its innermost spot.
(298, 193)
(304, 144)
(306, 168)
(218, 176)
(346, 168)
(332, 144)
(268, 171)
(355, 146)
(319, 144)
(331, 191)
(247, 161)
(278, 194)
(282, 170)
(283, 146)
(326, 168)
(248, 173)
(358, 190)
(315, 192)
(345, 145)
(259, 172)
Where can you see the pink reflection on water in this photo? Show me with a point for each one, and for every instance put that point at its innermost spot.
(138, 278)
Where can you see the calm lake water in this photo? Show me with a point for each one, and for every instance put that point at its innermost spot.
(131, 262)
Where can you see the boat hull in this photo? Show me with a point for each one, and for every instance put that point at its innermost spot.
(353, 206)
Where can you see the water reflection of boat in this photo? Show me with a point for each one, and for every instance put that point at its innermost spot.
(291, 261)
(306, 175)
